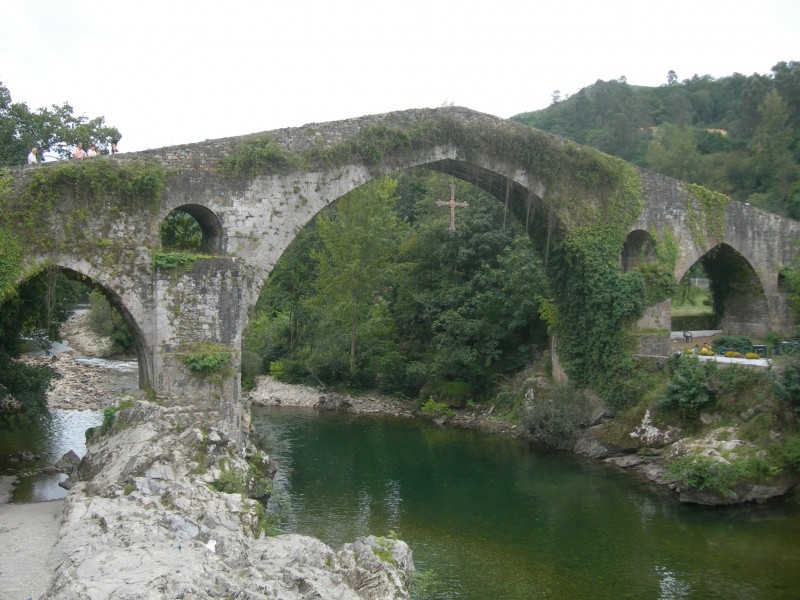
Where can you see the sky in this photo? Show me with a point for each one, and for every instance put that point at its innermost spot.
(168, 72)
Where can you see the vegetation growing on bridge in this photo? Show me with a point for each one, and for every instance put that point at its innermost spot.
(97, 189)
(126, 186)
(206, 359)
(260, 155)
(177, 260)
(708, 223)
(571, 173)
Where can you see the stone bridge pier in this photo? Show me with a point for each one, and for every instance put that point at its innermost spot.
(199, 315)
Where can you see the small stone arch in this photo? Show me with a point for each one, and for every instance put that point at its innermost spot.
(210, 227)
(639, 248)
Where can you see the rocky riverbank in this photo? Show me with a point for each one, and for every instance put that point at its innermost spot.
(82, 381)
(156, 512)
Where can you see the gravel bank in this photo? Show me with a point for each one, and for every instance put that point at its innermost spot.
(28, 533)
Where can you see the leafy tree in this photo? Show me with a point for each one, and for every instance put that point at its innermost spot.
(674, 152)
(426, 305)
(355, 261)
(52, 130)
(776, 169)
(180, 231)
(105, 320)
(35, 310)
(672, 78)
(688, 389)
(468, 308)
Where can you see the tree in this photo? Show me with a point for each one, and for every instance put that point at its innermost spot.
(467, 310)
(674, 152)
(180, 231)
(672, 78)
(776, 170)
(52, 130)
(34, 310)
(355, 262)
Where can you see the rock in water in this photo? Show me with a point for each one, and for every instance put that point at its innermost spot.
(146, 510)
(68, 463)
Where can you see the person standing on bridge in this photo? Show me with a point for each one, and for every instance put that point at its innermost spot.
(32, 156)
(92, 151)
(79, 152)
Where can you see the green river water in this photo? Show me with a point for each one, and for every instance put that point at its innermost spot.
(495, 518)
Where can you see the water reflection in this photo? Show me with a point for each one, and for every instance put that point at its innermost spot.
(61, 431)
(499, 519)
(670, 587)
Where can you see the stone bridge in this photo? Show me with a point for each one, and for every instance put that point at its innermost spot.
(252, 194)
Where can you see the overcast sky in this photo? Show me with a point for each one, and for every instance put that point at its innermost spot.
(172, 72)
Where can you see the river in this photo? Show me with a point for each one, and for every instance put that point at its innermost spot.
(76, 400)
(495, 518)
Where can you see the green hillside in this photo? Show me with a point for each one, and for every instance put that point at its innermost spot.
(739, 135)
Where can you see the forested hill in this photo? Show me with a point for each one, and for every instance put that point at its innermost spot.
(739, 135)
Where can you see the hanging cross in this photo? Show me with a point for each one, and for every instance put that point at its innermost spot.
(452, 204)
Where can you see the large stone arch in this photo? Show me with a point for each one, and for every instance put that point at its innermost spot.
(113, 236)
(738, 292)
(128, 308)
(507, 184)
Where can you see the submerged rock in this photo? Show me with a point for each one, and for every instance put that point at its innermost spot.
(146, 519)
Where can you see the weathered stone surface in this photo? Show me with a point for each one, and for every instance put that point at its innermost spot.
(625, 462)
(271, 392)
(650, 435)
(68, 463)
(589, 446)
(143, 522)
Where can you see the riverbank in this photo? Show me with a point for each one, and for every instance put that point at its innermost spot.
(84, 381)
(161, 508)
(157, 509)
(28, 532)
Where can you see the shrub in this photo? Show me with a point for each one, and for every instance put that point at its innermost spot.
(788, 385)
(733, 354)
(752, 355)
(452, 393)
(259, 155)
(205, 359)
(177, 260)
(426, 585)
(701, 472)
(688, 388)
(787, 453)
(433, 408)
(556, 414)
(735, 342)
